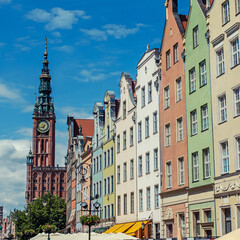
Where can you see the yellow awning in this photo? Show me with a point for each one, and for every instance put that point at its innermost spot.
(113, 228)
(125, 227)
(135, 227)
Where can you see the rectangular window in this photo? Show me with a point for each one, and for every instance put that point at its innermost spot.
(108, 185)
(125, 204)
(237, 141)
(235, 52)
(105, 159)
(182, 223)
(220, 62)
(108, 132)
(207, 216)
(226, 220)
(125, 172)
(146, 127)
(140, 200)
(100, 163)
(132, 202)
(155, 122)
(236, 100)
(124, 109)
(175, 49)
(169, 174)
(143, 96)
(131, 169)
(195, 37)
(112, 154)
(226, 12)
(166, 97)
(178, 89)
(195, 163)
(147, 163)
(203, 73)
(109, 213)
(204, 110)
(119, 205)
(139, 131)
(118, 174)
(194, 122)
(192, 78)
(148, 197)
(140, 166)
(168, 59)
(167, 135)
(238, 6)
(224, 157)
(105, 187)
(196, 224)
(124, 140)
(181, 176)
(112, 184)
(179, 129)
(100, 188)
(131, 136)
(97, 141)
(206, 162)
(155, 155)
(222, 105)
(150, 91)
(118, 143)
(108, 157)
(105, 211)
(156, 196)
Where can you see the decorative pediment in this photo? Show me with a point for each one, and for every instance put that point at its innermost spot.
(168, 215)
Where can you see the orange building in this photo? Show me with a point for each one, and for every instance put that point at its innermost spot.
(174, 162)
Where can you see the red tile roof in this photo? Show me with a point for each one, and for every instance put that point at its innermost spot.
(87, 127)
(184, 19)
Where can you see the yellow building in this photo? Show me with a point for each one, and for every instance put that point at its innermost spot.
(223, 32)
(111, 107)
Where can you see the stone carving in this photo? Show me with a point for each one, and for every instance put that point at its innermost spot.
(229, 186)
(168, 214)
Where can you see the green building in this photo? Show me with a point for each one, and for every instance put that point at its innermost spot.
(199, 123)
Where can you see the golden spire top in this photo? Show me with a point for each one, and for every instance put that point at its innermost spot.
(46, 53)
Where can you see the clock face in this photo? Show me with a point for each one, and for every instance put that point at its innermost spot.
(43, 126)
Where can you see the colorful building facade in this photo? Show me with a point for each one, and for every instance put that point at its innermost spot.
(223, 25)
(173, 129)
(199, 123)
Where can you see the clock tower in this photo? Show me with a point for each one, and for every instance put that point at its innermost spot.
(42, 175)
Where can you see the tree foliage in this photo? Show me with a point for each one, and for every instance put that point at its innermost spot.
(48, 209)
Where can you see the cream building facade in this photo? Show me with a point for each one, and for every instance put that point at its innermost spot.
(148, 140)
(223, 26)
(125, 145)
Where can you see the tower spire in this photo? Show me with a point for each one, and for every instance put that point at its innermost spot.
(46, 53)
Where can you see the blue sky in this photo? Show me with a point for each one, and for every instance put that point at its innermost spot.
(90, 43)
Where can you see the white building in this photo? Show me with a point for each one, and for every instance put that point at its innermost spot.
(148, 140)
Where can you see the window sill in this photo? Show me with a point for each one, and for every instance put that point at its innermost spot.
(192, 91)
(235, 66)
(225, 23)
(179, 100)
(203, 85)
(124, 148)
(193, 134)
(143, 106)
(149, 101)
(222, 122)
(176, 62)
(155, 170)
(131, 145)
(206, 178)
(147, 173)
(140, 176)
(139, 141)
(220, 74)
(155, 132)
(178, 141)
(204, 130)
(194, 47)
(236, 116)
(195, 181)
(166, 108)
(147, 137)
(167, 146)
(224, 174)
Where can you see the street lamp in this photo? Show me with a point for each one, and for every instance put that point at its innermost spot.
(83, 171)
(45, 204)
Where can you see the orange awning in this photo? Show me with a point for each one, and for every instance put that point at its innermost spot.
(124, 228)
(113, 228)
(135, 227)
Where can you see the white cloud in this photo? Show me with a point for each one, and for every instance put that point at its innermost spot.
(61, 134)
(57, 18)
(5, 1)
(8, 93)
(13, 172)
(2, 44)
(56, 34)
(76, 112)
(95, 34)
(115, 30)
(121, 31)
(65, 48)
(25, 132)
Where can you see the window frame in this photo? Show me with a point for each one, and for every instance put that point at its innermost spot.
(124, 140)
(140, 131)
(143, 97)
(225, 15)
(147, 132)
(148, 198)
(192, 80)
(175, 52)
(124, 171)
(220, 61)
(169, 174)
(194, 124)
(195, 37)
(167, 135)
(168, 59)
(206, 163)
(235, 53)
(222, 108)
(236, 101)
(155, 157)
(140, 166)
(180, 129)
(131, 136)
(149, 91)
(203, 73)
(147, 161)
(205, 119)
(224, 158)
(195, 163)
(179, 89)
(155, 122)
(166, 97)
(124, 109)
(181, 171)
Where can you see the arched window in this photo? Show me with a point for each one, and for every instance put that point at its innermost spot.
(46, 146)
(42, 145)
(38, 146)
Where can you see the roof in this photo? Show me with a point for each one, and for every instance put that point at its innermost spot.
(184, 19)
(87, 127)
